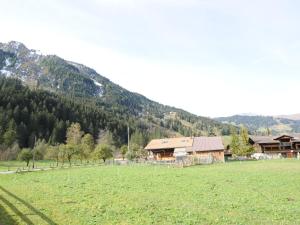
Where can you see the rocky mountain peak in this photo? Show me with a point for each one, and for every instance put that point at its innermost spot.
(14, 47)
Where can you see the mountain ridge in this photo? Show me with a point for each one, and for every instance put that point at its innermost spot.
(263, 124)
(54, 74)
(295, 116)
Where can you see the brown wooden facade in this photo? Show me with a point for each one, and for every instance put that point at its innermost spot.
(163, 154)
(287, 146)
(218, 156)
(174, 149)
(168, 155)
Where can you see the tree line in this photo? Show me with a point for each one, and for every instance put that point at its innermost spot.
(28, 115)
(82, 146)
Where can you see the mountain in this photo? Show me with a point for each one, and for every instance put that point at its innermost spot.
(261, 124)
(26, 114)
(248, 114)
(83, 84)
(290, 117)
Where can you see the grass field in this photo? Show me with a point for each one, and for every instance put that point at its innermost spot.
(262, 192)
(14, 165)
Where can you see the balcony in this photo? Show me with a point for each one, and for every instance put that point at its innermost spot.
(285, 144)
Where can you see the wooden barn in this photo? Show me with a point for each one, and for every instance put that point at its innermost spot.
(287, 146)
(202, 147)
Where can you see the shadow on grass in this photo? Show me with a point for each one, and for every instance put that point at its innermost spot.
(5, 218)
(18, 212)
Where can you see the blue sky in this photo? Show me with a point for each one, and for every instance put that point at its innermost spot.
(210, 57)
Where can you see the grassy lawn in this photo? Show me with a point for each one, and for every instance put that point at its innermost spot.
(264, 192)
(14, 165)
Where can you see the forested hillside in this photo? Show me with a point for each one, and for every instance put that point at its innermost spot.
(28, 114)
(41, 96)
(263, 125)
(78, 82)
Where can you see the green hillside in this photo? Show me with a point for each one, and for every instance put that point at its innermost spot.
(80, 83)
(263, 124)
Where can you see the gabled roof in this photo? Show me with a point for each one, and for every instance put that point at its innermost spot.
(169, 143)
(206, 144)
(283, 136)
(296, 137)
(263, 139)
(273, 140)
(190, 143)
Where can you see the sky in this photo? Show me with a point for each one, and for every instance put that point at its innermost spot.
(210, 57)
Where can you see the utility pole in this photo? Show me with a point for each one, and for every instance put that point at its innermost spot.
(33, 155)
(128, 137)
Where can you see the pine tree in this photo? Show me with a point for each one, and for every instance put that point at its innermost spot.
(244, 135)
(137, 138)
(10, 134)
(58, 133)
(105, 137)
(22, 135)
(245, 147)
(235, 142)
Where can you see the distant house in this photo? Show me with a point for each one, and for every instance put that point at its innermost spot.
(286, 145)
(170, 148)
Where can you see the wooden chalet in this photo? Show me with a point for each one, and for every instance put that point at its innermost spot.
(287, 146)
(167, 149)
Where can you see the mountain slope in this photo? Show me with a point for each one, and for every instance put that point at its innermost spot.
(74, 80)
(290, 117)
(39, 114)
(260, 124)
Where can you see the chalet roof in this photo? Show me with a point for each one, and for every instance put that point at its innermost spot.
(263, 139)
(168, 143)
(190, 143)
(206, 144)
(283, 136)
(273, 139)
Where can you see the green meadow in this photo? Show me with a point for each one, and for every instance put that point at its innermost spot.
(14, 165)
(258, 192)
